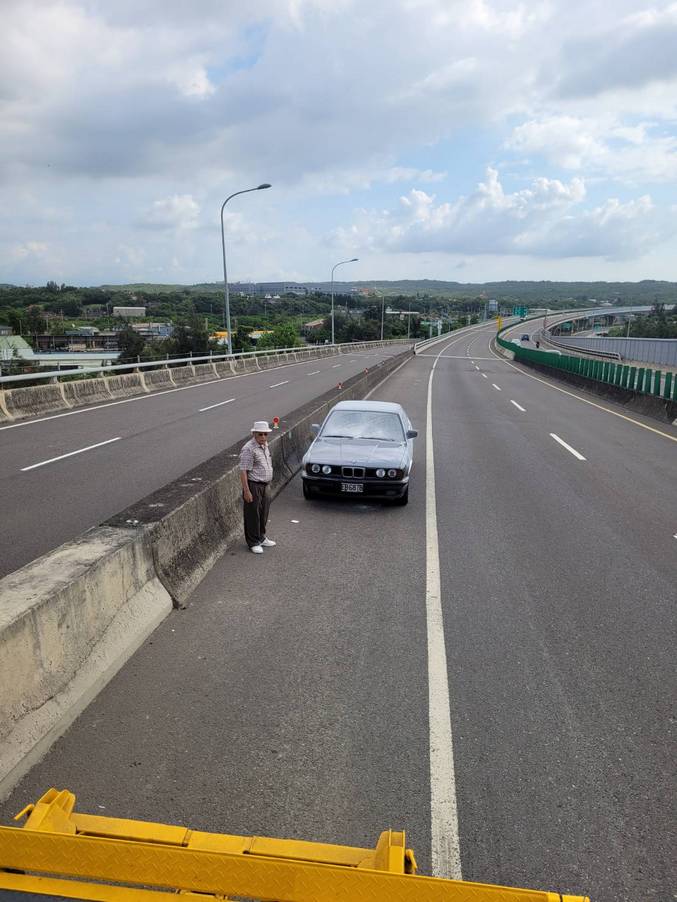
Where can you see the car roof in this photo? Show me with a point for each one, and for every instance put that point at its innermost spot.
(381, 406)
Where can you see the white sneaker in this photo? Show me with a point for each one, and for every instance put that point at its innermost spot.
(256, 549)
(268, 543)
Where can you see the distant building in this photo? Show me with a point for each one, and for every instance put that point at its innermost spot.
(129, 312)
(154, 330)
(5, 330)
(298, 290)
(312, 326)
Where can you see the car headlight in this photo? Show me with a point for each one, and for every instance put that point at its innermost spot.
(392, 473)
(380, 473)
(315, 468)
(326, 469)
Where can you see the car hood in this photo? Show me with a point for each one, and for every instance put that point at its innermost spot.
(348, 452)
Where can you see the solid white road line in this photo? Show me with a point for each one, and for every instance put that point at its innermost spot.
(278, 384)
(220, 404)
(568, 447)
(518, 406)
(446, 853)
(70, 454)
(314, 373)
(497, 387)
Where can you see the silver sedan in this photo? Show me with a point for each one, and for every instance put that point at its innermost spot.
(363, 449)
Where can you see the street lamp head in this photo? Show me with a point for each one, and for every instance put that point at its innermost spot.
(354, 260)
(264, 185)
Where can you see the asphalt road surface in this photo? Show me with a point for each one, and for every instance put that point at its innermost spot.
(295, 697)
(124, 450)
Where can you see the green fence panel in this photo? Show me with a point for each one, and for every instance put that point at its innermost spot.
(674, 391)
(632, 377)
(640, 378)
(647, 380)
(667, 389)
(657, 382)
(619, 374)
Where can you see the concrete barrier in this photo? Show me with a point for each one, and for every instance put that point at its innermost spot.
(86, 391)
(158, 379)
(126, 386)
(68, 622)
(4, 413)
(183, 375)
(224, 368)
(35, 400)
(204, 372)
(72, 618)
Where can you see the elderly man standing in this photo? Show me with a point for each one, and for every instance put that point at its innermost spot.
(256, 472)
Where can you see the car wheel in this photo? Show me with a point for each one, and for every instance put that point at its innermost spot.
(403, 499)
(307, 494)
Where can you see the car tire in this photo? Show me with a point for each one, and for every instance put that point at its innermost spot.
(307, 494)
(403, 499)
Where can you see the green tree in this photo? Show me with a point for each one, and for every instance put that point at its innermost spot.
(284, 335)
(130, 344)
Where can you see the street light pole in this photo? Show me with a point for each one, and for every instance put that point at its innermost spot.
(226, 304)
(340, 263)
(383, 311)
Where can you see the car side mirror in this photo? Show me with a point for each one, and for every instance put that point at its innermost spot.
(411, 433)
(315, 428)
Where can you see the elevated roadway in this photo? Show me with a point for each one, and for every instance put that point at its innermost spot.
(294, 695)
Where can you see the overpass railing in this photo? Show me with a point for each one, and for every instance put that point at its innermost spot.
(309, 351)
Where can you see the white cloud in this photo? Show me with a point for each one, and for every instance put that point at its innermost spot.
(600, 147)
(27, 249)
(547, 219)
(180, 211)
(167, 107)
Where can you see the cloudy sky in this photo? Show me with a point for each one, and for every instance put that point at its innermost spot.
(469, 140)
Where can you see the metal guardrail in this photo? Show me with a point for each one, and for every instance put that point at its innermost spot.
(642, 380)
(610, 355)
(108, 369)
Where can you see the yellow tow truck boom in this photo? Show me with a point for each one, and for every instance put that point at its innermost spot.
(59, 852)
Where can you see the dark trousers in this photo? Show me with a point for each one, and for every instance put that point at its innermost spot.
(256, 513)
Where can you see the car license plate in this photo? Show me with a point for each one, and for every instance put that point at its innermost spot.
(351, 486)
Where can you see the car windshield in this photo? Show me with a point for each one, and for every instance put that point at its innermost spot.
(364, 424)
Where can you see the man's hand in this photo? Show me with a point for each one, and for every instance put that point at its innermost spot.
(247, 495)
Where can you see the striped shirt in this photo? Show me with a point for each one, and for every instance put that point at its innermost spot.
(256, 462)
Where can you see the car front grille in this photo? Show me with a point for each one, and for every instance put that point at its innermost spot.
(353, 472)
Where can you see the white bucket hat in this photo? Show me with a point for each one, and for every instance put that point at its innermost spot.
(261, 426)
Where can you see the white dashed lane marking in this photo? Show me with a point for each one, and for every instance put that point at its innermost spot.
(220, 404)
(70, 454)
(568, 447)
(518, 406)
